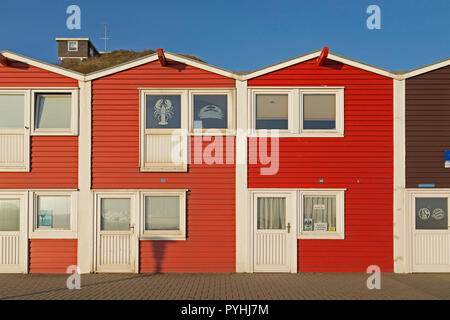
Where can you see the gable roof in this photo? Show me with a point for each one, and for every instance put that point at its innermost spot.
(43, 65)
(427, 68)
(315, 54)
(153, 57)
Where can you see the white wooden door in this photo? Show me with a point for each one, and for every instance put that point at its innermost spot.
(13, 233)
(431, 233)
(274, 230)
(116, 238)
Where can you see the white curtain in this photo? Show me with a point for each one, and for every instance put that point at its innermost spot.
(9, 214)
(271, 213)
(321, 209)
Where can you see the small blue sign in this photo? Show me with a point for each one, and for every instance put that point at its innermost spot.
(45, 218)
(447, 159)
(426, 185)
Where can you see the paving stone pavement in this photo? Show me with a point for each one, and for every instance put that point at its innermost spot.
(323, 286)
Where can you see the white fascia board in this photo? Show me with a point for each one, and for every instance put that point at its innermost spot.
(121, 67)
(281, 65)
(425, 69)
(316, 54)
(201, 65)
(43, 65)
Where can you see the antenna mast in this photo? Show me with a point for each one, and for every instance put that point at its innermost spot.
(106, 34)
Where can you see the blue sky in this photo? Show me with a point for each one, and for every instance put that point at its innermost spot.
(239, 34)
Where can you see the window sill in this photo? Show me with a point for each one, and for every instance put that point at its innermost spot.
(53, 234)
(14, 169)
(53, 133)
(164, 168)
(323, 236)
(163, 238)
(281, 134)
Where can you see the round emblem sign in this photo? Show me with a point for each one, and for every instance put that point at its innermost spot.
(424, 213)
(438, 214)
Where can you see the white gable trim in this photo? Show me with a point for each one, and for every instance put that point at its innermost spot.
(426, 69)
(315, 54)
(154, 57)
(42, 65)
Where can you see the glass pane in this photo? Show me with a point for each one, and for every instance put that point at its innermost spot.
(53, 111)
(431, 213)
(271, 111)
(73, 46)
(115, 214)
(162, 213)
(12, 111)
(210, 111)
(163, 111)
(271, 213)
(319, 111)
(53, 212)
(9, 214)
(319, 213)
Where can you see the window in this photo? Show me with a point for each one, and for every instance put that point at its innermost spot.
(164, 215)
(211, 111)
(322, 112)
(322, 214)
(115, 214)
(14, 130)
(9, 214)
(72, 45)
(297, 112)
(431, 213)
(12, 108)
(54, 214)
(272, 111)
(163, 111)
(271, 213)
(319, 111)
(55, 113)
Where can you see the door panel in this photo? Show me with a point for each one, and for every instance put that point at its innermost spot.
(13, 239)
(116, 240)
(274, 234)
(431, 234)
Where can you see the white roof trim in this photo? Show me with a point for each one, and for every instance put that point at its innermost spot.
(74, 39)
(154, 57)
(315, 54)
(121, 67)
(43, 65)
(426, 69)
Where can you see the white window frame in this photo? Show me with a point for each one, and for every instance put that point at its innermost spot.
(51, 233)
(25, 130)
(340, 214)
(164, 234)
(292, 97)
(231, 97)
(73, 130)
(339, 130)
(144, 132)
(295, 111)
(68, 46)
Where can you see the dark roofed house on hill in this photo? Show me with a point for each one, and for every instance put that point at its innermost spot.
(76, 48)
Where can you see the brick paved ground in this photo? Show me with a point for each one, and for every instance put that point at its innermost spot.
(226, 286)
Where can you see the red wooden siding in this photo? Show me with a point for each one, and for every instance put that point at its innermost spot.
(52, 255)
(22, 75)
(54, 165)
(361, 162)
(54, 160)
(210, 244)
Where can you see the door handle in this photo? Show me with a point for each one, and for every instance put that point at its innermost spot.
(132, 227)
(288, 227)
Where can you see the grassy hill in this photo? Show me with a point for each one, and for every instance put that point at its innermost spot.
(109, 59)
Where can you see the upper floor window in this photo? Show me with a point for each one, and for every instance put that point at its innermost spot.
(308, 112)
(55, 112)
(168, 116)
(72, 46)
